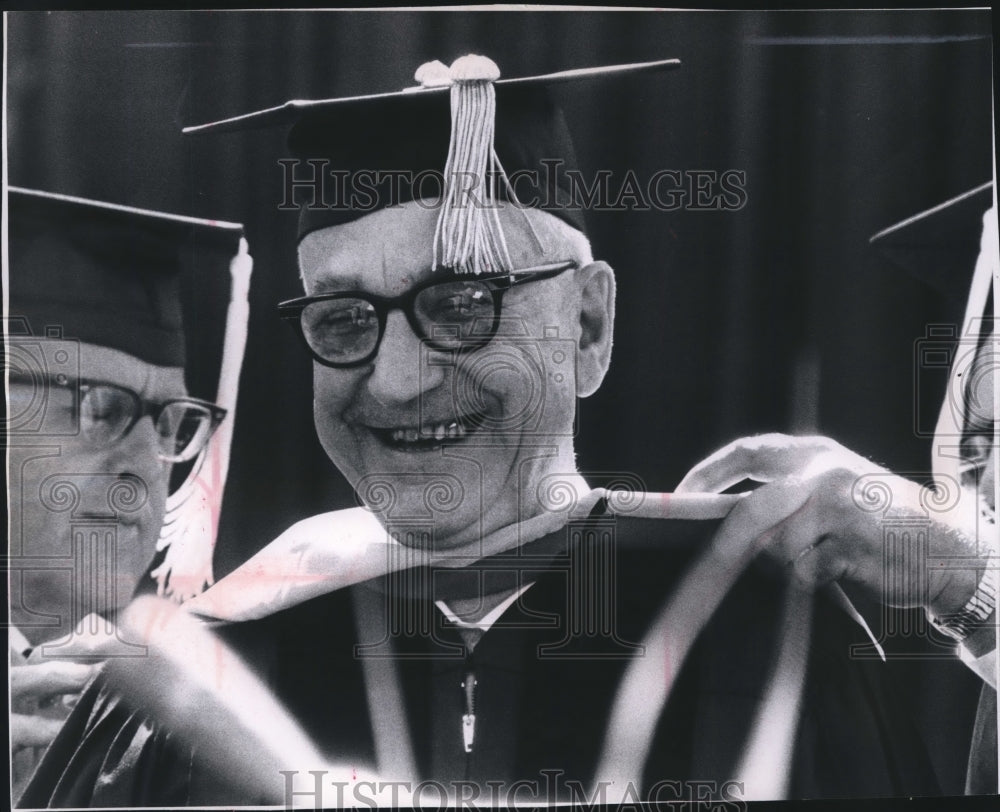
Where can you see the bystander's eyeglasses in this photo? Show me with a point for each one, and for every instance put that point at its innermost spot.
(345, 329)
(99, 414)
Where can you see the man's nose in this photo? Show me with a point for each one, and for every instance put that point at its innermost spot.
(137, 454)
(119, 477)
(400, 371)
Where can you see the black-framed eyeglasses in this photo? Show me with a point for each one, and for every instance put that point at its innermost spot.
(99, 414)
(345, 329)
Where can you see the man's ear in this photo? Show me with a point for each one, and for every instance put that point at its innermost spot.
(597, 321)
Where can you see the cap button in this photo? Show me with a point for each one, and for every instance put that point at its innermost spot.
(433, 74)
(474, 68)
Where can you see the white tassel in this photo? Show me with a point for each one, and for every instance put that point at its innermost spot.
(468, 237)
(191, 524)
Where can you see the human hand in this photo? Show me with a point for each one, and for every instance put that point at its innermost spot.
(46, 683)
(821, 511)
(41, 695)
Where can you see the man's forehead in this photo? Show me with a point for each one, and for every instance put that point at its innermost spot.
(392, 248)
(375, 250)
(93, 362)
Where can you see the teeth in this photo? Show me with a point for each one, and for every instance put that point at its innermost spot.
(435, 431)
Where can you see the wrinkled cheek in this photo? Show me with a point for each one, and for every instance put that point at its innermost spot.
(45, 592)
(131, 564)
(340, 447)
(37, 530)
(511, 387)
(329, 403)
(49, 494)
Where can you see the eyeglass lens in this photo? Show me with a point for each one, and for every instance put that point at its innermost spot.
(183, 429)
(107, 413)
(341, 329)
(449, 313)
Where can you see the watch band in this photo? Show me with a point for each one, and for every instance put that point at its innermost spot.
(959, 625)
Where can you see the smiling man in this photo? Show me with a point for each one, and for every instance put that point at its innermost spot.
(412, 362)
(452, 333)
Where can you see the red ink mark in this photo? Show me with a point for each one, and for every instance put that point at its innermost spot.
(210, 486)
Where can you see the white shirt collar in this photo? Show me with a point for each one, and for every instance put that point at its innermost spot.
(486, 621)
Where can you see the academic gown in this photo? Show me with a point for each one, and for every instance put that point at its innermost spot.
(546, 675)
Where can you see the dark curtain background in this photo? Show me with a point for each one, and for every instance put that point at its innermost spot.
(779, 316)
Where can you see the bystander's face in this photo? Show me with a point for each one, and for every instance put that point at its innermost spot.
(458, 444)
(85, 513)
(978, 449)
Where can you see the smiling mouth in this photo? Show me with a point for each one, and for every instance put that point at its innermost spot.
(429, 436)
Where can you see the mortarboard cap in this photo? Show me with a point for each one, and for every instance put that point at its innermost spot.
(939, 246)
(951, 247)
(486, 139)
(146, 283)
(106, 274)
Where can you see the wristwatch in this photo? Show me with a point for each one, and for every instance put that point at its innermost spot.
(983, 603)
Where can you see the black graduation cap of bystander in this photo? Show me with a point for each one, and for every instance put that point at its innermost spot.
(107, 274)
(939, 246)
